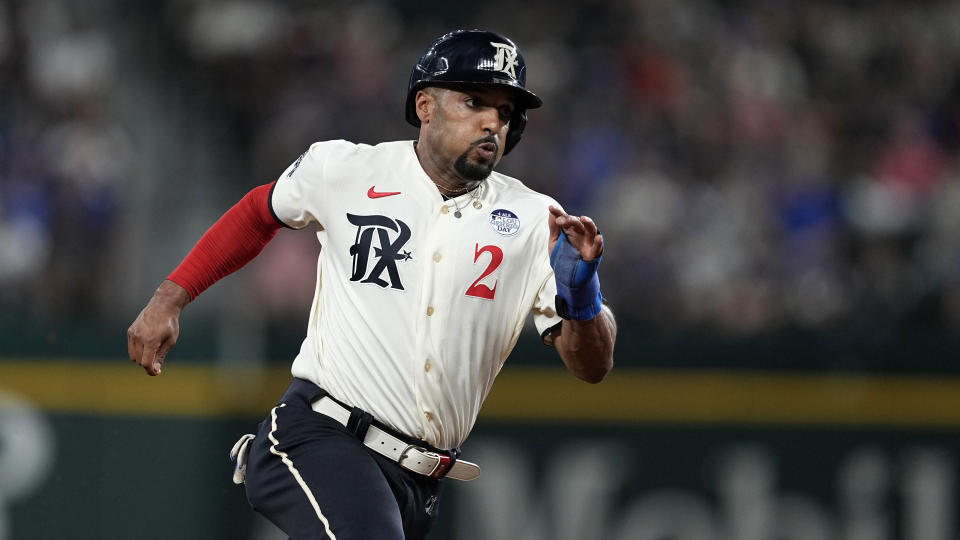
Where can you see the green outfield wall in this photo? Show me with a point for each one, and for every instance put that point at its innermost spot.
(96, 450)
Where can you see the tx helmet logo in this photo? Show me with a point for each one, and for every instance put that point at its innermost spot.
(506, 59)
(387, 252)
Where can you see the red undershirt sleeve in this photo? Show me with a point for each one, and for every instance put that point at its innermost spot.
(233, 241)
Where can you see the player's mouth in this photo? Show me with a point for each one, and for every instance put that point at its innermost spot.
(487, 150)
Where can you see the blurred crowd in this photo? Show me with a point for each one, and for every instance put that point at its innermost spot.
(64, 161)
(753, 166)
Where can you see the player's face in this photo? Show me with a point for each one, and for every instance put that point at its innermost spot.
(469, 128)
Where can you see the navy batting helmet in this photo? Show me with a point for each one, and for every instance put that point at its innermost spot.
(475, 57)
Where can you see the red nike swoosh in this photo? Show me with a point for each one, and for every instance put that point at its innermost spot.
(377, 194)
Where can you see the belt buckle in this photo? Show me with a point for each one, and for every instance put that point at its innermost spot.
(439, 470)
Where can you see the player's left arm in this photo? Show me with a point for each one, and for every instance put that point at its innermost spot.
(586, 337)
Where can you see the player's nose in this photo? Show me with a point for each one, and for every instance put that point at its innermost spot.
(490, 120)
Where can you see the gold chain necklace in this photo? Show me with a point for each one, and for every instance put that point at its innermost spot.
(475, 198)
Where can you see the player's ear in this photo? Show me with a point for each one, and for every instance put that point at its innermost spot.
(424, 102)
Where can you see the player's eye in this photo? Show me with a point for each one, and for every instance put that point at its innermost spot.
(506, 113)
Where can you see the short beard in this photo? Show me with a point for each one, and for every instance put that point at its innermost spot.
(474, 172)
(471, 172)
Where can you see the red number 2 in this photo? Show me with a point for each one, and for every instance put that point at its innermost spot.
(478, 289)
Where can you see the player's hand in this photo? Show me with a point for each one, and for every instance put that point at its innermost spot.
(581, 231)
(156, 329)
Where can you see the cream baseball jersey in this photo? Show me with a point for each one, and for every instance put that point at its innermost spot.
(415, 309)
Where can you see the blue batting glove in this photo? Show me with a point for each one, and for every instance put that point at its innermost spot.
(578, 287)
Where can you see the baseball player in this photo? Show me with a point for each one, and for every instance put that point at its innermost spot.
(431, 262)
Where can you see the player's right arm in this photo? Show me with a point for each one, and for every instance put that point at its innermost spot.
(294, 200)
(157, 327)
(233, 241)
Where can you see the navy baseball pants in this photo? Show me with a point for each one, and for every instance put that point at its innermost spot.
(315, 480)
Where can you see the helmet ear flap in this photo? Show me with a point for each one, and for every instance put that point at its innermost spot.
(517, 123)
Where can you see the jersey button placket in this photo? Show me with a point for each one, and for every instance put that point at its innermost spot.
(430, 394)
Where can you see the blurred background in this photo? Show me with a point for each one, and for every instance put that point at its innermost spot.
(778, 183)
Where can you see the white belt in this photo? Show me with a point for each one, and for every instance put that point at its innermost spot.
(409, 456)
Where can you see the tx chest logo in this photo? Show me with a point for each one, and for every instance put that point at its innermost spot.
(374, 241)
